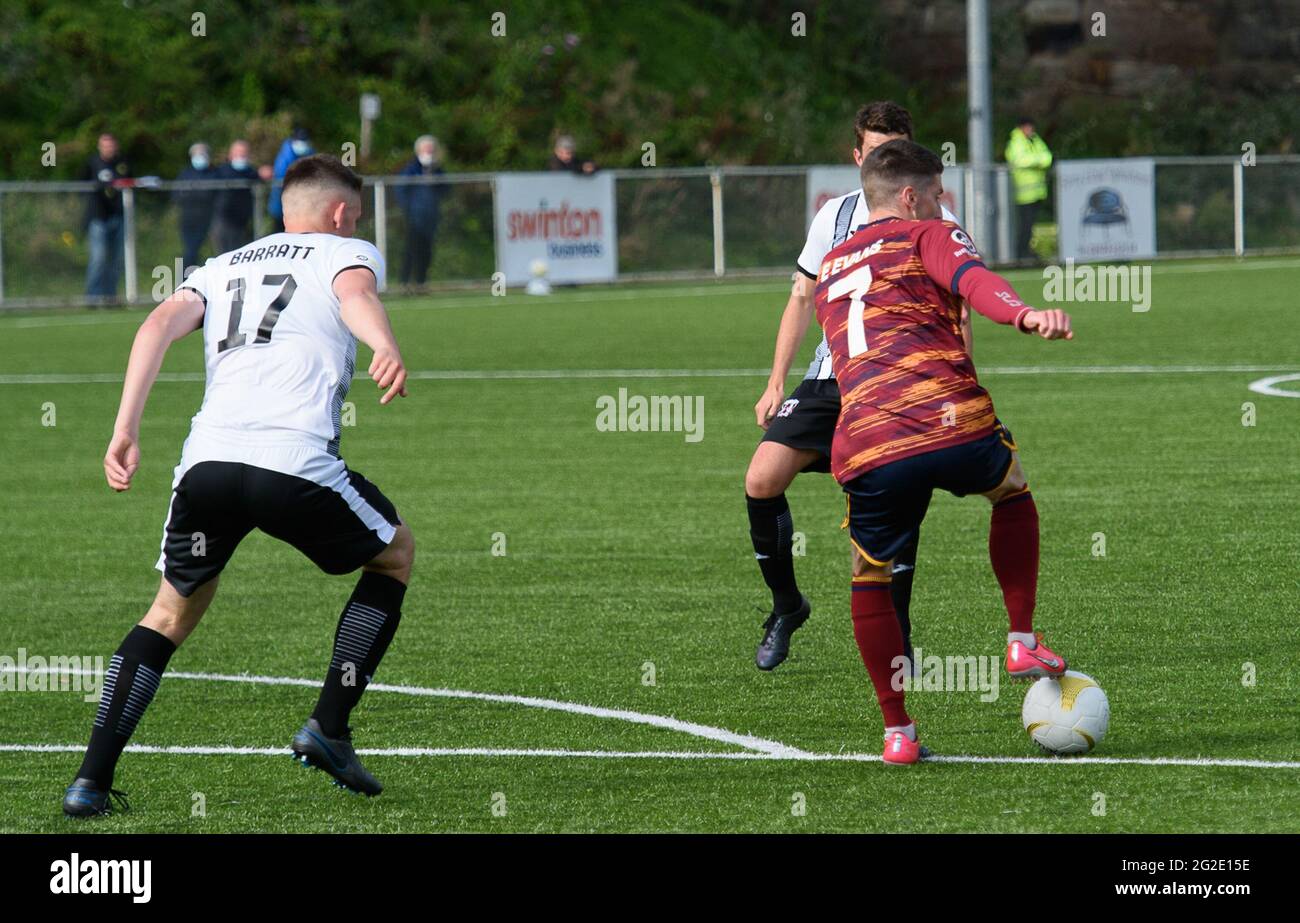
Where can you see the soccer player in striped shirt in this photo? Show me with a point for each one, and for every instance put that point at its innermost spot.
(280, 319)
(915, 418)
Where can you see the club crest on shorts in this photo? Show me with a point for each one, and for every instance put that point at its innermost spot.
(788, 407)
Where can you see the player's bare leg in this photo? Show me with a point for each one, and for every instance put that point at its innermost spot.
(175, 616)
(1013, 551)
(771, 529)
(133, 677)
(880, 643)
(365, 629)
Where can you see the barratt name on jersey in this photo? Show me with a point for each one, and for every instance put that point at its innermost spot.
(280, 251)
(831, 267)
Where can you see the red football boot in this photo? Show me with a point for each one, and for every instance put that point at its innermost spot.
(1024, 662)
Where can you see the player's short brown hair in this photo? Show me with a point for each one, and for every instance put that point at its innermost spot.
(896, 164)
(883, 118)
(321, 170)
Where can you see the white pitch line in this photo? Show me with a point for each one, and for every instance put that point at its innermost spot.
(135, 313)
(632, 293)
(57, 378)
(756, 748)
(704, 731)
(1269, 386)
(786, 756)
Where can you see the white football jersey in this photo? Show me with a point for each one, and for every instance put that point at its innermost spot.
(830, 227)
(279, 358)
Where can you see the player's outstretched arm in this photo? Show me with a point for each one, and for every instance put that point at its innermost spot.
(789, 337)
(364, 314)
(993, 296)
(178, 316)
(952, 261)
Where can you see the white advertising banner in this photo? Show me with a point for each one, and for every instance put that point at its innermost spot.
(826, 183)
(1106, 209)
(565, 221)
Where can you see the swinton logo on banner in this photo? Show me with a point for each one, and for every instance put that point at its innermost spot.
(565, 221)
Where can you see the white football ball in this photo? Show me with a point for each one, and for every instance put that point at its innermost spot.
(538, 268)
(1066, 715)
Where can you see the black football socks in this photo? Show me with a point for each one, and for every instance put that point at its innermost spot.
(771, 529)
(365, 629)
(129, 686)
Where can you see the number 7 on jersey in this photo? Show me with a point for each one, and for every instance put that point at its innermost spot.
(856, 284)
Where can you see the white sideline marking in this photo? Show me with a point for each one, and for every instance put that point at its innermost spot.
(135, 313)
(789, 755)
(1270, 387)
(721, 735)
(776, 286)
(86, 378)
(756, 747)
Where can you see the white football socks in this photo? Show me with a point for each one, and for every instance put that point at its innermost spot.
(1024, 637)
(909, 731)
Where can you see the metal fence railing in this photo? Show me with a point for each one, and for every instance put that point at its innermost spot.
(671, 222)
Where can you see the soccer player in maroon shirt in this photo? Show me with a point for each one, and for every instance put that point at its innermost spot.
(914, 416)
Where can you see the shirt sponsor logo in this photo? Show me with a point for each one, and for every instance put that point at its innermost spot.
(967, 245)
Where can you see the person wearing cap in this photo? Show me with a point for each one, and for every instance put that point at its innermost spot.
(421, 203)
(565, 158)
(296, 146)
(1029, 158)
(195, 203)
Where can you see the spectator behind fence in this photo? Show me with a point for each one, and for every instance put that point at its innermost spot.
(232, 223)
(1029, 158)
(104, 219)
(296, 146)
(421, 203)
(564, 157)
(195, 203)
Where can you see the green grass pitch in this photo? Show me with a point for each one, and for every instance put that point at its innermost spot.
(627, 554)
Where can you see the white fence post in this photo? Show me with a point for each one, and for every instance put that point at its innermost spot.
(128, 242)
(1239, 208)
(1005, 247)
(719, 244)
(259, 211)
(381, 227)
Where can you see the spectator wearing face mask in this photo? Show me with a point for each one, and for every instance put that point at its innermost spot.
(421, 203)
(195, 203)
(296, 146)
(232, 223)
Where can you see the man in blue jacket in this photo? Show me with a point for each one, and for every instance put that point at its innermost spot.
(295, 146)
(421, 203)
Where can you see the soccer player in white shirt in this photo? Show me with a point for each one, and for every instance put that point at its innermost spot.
(799, 429)
(280, 319)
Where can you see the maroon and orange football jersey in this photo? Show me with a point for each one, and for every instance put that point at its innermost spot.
(887, 301)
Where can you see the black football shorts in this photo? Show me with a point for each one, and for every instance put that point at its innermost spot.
(807, 420)
(886, 504)
(216, 503)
